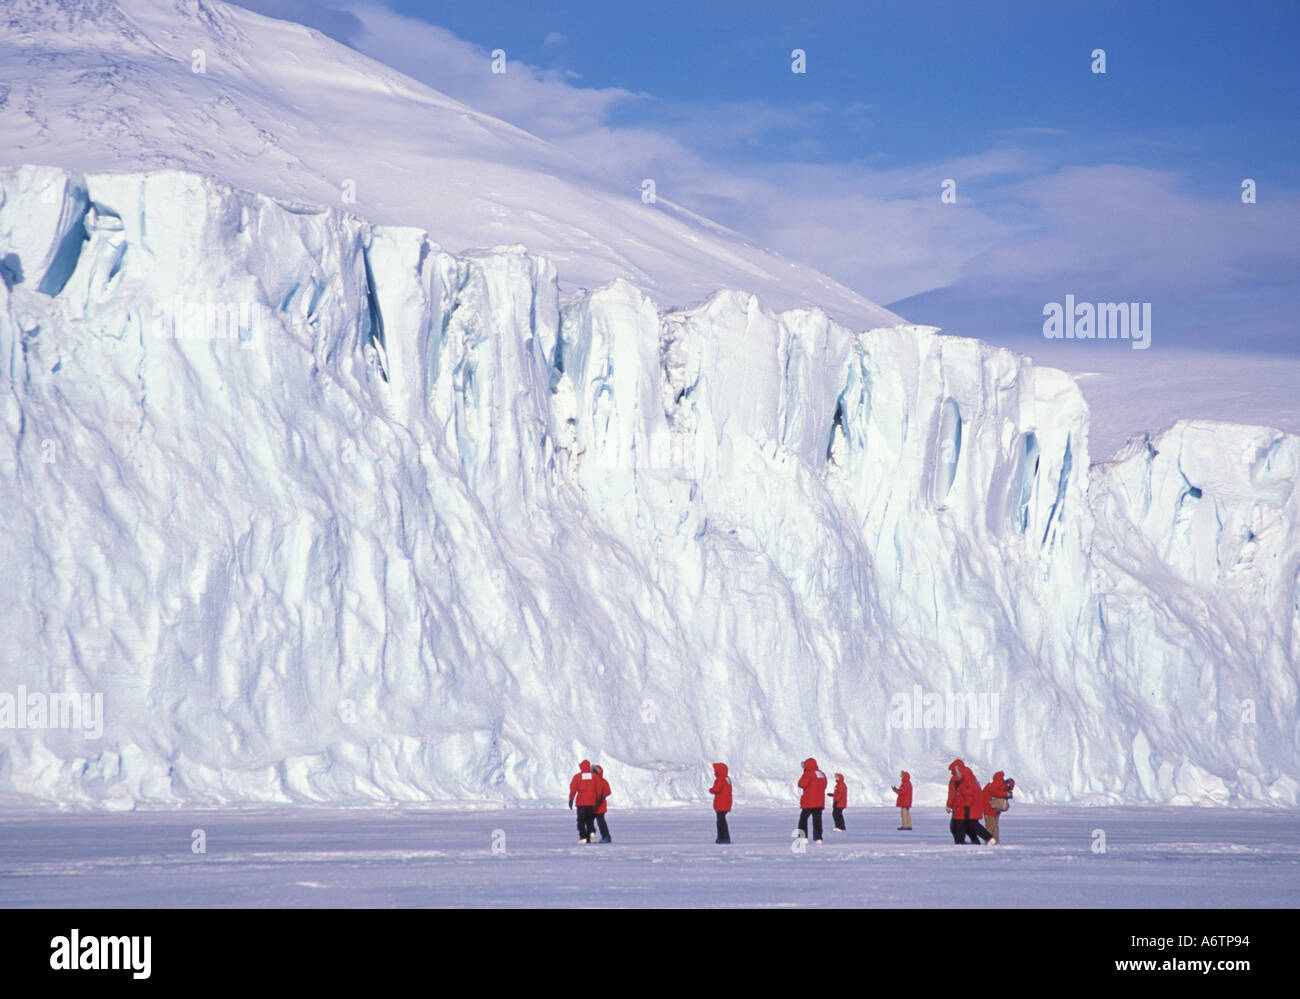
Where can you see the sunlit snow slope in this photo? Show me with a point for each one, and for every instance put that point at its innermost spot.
(391, 523)
(112, 85)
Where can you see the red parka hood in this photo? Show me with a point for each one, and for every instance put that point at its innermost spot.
(585, 766)
(957, 768)
(721, 789)
(904, 791)
(813, 784)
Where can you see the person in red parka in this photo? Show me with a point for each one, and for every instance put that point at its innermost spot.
(721, 791)
(957, 824)
(971, 795)
(904, 800)
(966, 804)
(602, 803)
(585, 787)
(813, 800)
(996, 800)
(839, 802)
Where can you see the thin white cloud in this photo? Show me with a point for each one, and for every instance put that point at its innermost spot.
(335, 22)
(1138, 228)
(536, 100)
(875, 230)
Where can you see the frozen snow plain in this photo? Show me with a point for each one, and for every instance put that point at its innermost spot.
(327, 514)
(1167, 858)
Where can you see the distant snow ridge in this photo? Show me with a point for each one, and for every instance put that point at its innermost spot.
(329, 514)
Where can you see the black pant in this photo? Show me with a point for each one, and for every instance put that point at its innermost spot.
(816, 814)
(604, 829)
(724, 834)
(964, 826)
(586, 821)
(837, 814)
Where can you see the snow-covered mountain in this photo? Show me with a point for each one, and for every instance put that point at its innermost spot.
(276, 107)
(327, 512)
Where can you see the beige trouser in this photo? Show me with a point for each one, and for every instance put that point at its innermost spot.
(907, 818)
(991, 823)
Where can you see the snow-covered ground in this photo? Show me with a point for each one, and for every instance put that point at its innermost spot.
(1172, 858)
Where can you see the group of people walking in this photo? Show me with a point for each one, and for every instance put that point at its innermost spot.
(968, 802)
(813, 800)
(590, 789)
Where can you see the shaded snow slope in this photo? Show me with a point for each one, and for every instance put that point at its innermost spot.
(326, 513)
(94, 85)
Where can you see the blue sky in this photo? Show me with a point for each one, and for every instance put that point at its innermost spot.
(1117, 187)
(933, 80)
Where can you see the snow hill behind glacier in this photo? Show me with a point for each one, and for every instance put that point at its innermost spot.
(93, 85)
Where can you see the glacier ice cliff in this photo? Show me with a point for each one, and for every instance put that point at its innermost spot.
(328, 514)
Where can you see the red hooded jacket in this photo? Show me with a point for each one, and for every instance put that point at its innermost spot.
(603, 792)
(813, 783)
(904, 792)
(996, 788)
(954, 770)
(585, 785)
(970, 796)
(840, 796)
(721, 789)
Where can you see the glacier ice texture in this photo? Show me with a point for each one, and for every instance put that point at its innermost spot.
(328, 514)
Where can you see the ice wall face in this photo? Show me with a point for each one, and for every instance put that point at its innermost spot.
(326, 513)
(1195, 571)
